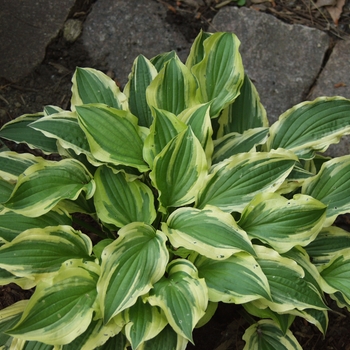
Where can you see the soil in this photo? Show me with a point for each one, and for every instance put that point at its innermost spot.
(50, 84)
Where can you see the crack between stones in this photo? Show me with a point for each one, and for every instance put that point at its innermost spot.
(326, 58)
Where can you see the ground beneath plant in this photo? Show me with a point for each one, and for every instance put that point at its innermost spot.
(50, 83)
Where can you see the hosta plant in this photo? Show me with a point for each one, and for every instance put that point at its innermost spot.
(138, 211)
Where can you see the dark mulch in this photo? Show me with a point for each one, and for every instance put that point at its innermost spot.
(50, 83)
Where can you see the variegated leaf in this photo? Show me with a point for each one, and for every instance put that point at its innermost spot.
(9, 231)
(220, 73)
(164, 128)
(266, 335)
(197, 49)
(336, 274)
(24, 282)
(283, 223)
(331, 186)
(234, 143)
(300, 256)
(96, 335)
(44, 184)
(40, 251)
(6, 189)
(173, 89)
(22, 344)
(198, 118)
(166, 339)
(328, 243)
(311, 126)
(159, 60)
(18, 131)
(119, 201)
(283, 321)
(9, 316)
(50, 109)
(295, 179)
(179, 170)
(13, 164)
(113, 135)
(210, 232)
(289, 289)
(118, 342)
(319, 318)
(245, 113)
(61, 308)
(93, 86)
(143, 72)
(233, 183)
(64, 127)
(125, 274)
(238, 279)
(144, 322)
(182, 296)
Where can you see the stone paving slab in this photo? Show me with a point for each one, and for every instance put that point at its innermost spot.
(117, 31)
(26, 28)
(334, 79)
(282, 60)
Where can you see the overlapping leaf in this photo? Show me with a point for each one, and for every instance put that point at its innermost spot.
(18, 131)
(173, 89)
(63, 127)
(328, 243)
(98, 335)
(119, 201)
(331, 186)
(46, 183)
(61, 308)
(238, 279)
(197, 49)
(198, 118)
(311, 126)
(164, 128)
(283, 223)
(130, 267)
(245, 113)
(233, 182)
(210, 232)
(143, 72)
(113, 135)
(234, 143)
(179, 170)
(289, 289)
(40, 251)
(336, 273)
(8, 231)
(93, 86)
(13, 164)
(144, 322)
(220, 73)
(166, 339)
(182, 296)
(266, 335)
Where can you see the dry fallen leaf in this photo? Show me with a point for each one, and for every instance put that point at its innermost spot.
(336, 11)
(340, 84)
(321, 3)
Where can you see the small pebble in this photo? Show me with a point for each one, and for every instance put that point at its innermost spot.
(72, 29)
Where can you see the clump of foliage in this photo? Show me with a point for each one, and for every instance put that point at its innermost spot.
(195, 200)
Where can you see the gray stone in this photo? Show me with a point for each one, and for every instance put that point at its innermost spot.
(334, 80)
(282, 60)
(26, 28)
(117, 31)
